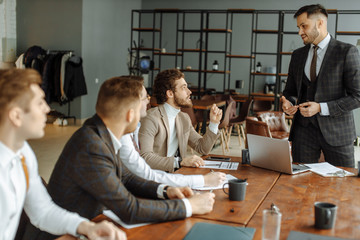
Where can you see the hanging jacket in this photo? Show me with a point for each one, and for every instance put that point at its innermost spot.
(74, 83)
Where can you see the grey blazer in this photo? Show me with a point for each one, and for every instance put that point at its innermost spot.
(338, 85)
(89, 177)
(153, 138)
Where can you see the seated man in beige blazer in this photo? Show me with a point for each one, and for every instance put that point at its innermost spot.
(166, 131)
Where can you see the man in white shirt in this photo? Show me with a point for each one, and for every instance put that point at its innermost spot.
(135, 163)
(22, 117)
(166, 132)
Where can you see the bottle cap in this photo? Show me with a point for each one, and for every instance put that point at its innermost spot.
(274, 209)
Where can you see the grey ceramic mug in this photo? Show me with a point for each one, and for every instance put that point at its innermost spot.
(237, 189)
(325, 215)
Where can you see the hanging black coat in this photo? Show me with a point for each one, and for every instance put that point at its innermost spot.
(74, 83)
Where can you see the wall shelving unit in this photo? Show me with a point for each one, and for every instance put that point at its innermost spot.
(205, 31)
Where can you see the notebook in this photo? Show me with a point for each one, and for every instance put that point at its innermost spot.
(273, 154)
(294, 235)
(210, 231)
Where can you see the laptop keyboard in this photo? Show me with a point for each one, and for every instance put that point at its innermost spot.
(299, 167)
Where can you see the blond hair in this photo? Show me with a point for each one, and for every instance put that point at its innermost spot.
(15, 89)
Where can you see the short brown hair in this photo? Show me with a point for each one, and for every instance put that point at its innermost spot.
(115, 94)
(133, 77)
(15, 88)
(311, 10)
(164, 81)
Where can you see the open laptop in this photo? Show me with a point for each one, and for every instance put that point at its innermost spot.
(273, 154)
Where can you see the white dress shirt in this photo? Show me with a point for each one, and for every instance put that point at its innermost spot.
(37, 203)
(118, 147)
(323, 45)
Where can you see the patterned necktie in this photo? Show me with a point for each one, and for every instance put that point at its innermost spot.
(135, 144)
(313, 65)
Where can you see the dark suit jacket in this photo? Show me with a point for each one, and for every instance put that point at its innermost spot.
(338, 85)
(154, 138)
(89, 177)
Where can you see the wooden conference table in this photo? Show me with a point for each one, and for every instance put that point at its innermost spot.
(295, 195)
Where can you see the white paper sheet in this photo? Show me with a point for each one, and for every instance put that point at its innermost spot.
(228, 177)
(115, 218)
(221, 165)
(325, 169)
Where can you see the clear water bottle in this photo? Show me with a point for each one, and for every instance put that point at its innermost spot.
(271, 223)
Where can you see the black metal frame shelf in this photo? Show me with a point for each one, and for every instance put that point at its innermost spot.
(264, 31)
(352, 33)
(239, 56)
(147, 29)
(205, 31)
(168, 54)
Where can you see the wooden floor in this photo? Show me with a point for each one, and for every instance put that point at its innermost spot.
(48, 148)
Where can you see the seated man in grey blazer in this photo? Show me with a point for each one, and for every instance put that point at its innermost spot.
(166, 131)
(89, 176)
(130, 157)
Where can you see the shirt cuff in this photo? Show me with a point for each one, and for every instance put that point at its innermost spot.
(176, 162)
(160, 191)
(324, 109)
(214, 127)
(197, 181)
(187, 207)
(76, 223)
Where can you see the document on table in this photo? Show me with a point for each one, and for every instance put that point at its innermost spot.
(221, 165)
(228, 177)
(112, 216)
(325, 169)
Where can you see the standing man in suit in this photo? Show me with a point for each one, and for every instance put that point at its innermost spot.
(130, 157)
(322, 89)
(23, 116)
(166, 131)
(89, 176)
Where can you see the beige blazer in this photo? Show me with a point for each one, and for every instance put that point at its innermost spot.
(154, 133)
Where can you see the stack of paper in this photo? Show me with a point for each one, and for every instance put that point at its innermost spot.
(228, 177)
(221, 165)
(325, 169)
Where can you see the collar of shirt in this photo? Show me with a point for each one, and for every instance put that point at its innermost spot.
(323, 43)
(116, 142)
(136, 132)
(171, 111)
(7, 155)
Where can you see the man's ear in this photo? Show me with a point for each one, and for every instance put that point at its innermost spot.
(169, 94)
(15, 116)
(130, 115)
(320, 22)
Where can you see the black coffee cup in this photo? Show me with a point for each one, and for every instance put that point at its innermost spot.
(325, 215)
(237, 189)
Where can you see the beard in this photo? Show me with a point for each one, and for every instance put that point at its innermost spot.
(312, 36)
(182, 103)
